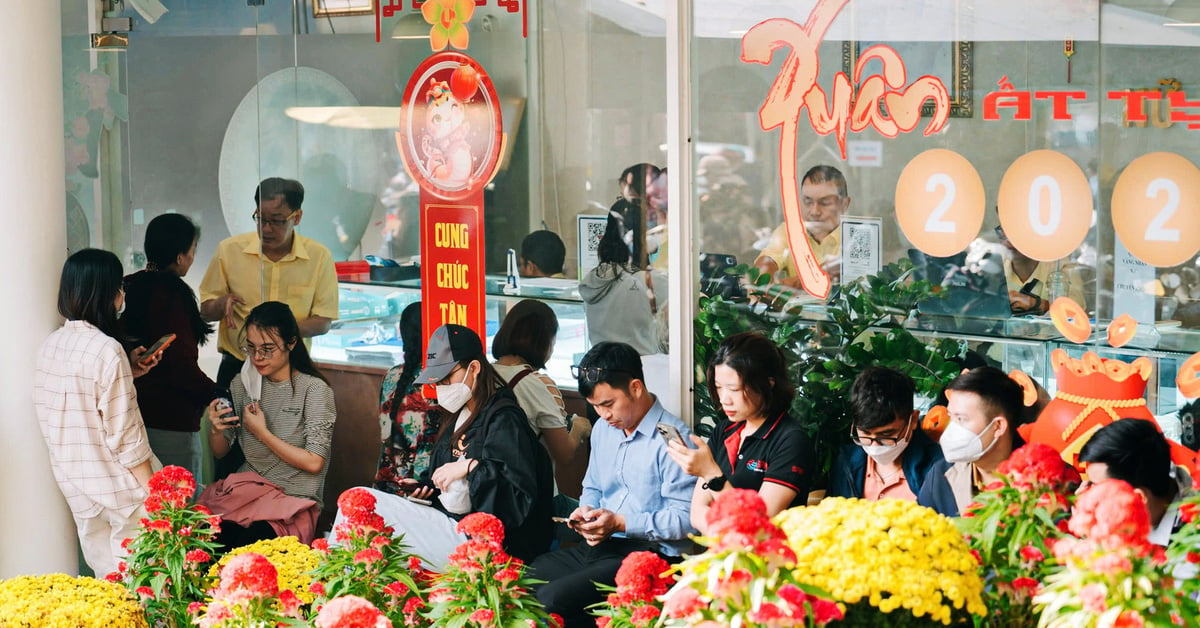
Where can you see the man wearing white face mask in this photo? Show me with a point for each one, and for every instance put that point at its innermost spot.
(890, 454)
(985, 409)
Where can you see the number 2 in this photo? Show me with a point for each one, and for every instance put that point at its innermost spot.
(936, 222)
(1156, 231)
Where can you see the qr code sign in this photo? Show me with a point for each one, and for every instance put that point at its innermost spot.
(595, 231)
(859, 244)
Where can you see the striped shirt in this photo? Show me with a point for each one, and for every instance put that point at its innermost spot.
(86, 405)
(301, 413)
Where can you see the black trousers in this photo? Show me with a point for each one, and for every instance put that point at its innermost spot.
(571, 576)
(223, 467)
(233, 536)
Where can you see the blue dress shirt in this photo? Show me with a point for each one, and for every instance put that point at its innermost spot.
(635, 477)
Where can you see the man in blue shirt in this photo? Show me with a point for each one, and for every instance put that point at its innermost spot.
(635, 498)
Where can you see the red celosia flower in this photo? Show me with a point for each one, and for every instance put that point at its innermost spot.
(736, 510)
(247, 575)
(368, 556)
(289, 603)
(507, 575)
(795, 599)
(1112, 564)
(769, 614)
(396, 589)
(160, 525)
(825, 611)
(1038, 465)
(380, 542)
(173, 486)
(603, 622)
(1033, 554)
(483, 617)
(556, 621)
(640, 576)
(356, 501)
(482, 526)
(321, 545)
(117, 577)
(734, 584)
(194, 608)
(1025, 583)
(1129, 619)
(145, 592)
(1111, 514)
(1188, 511)
(683, 602)
(317, 588)
(644, 615)
(197, 556)
(153, 503)
(350, 611)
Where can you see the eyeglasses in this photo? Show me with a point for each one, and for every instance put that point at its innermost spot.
(278, 224)
(591, 374)
(1000, 232)
(265, 352)
(882, 441)
(828, 202)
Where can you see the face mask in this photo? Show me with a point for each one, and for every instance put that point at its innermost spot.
(960, 444)
(452, 397)
(885, 455)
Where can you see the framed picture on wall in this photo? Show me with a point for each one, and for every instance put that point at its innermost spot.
(335, 8)
(951, 62)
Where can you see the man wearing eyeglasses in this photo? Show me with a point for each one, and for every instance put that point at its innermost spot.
(823, 201)
(889, 455)
(635, 498)
(272, 263)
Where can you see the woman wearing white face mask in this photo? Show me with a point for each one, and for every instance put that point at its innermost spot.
(890, 455)
(487, 459)
(985, 406)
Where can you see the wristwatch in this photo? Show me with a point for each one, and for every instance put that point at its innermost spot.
(716, 484)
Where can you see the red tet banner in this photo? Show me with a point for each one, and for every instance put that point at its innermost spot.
(450, 141)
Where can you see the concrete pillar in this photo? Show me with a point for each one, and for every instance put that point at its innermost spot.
(35, 524)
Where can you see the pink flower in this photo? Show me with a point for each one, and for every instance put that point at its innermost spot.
(1113, 515)
(1129, 619)
(1033, 554)
(317, 588)
(482, 526)
(795, 599)
(734, 584)
(1092, 596)
(825, 611)
(194, 608)
(769, 614)
(350, 611)
(736, 510)
(247, 575)
(507, 575)
(482, 617)
(683, 602)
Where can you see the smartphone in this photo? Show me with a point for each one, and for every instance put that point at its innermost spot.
(225, 409)
(418, 500)
(157, 348)
(561, 520)
(670, 433)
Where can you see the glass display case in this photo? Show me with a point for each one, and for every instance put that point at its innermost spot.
(366, 333)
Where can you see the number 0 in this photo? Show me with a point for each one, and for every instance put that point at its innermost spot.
(1050, 226)
(936, 222)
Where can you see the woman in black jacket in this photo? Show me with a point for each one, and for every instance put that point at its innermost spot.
(487, 459)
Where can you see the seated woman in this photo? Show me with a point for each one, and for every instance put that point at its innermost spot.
(486, 460)
(622, 300)
(408, 421)
(283, 416)
(521, 348)
(1133, 450)
(758, 446)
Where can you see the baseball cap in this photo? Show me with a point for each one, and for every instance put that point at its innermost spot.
(447, 346)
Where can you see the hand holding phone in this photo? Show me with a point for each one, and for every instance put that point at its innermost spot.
(225, 410)
(157, 348)
(671, 433)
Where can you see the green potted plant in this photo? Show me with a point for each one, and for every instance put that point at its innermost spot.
(862, 325)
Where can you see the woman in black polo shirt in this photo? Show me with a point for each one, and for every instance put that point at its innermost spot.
(757, 445)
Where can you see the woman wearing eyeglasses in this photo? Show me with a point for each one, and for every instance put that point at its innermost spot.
(757, 445)
(284, 429)
(487, 459)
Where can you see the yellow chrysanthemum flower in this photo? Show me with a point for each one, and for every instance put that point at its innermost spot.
(891, 554)
(60, 601)
(293, 561)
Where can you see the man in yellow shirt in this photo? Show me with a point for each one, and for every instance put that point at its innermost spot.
(273, 263)
(823, 201)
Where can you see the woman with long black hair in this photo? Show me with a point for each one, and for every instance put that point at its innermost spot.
(283, 416)
(87, 407)
(158, 302)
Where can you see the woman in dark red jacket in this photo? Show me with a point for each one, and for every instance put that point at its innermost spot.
(173, 395)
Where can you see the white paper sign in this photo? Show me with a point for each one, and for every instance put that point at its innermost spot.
(861, 247)
(590, 230)
(1132, 279)
(864, 153)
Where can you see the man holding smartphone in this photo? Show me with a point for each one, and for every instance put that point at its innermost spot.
(635, 498)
